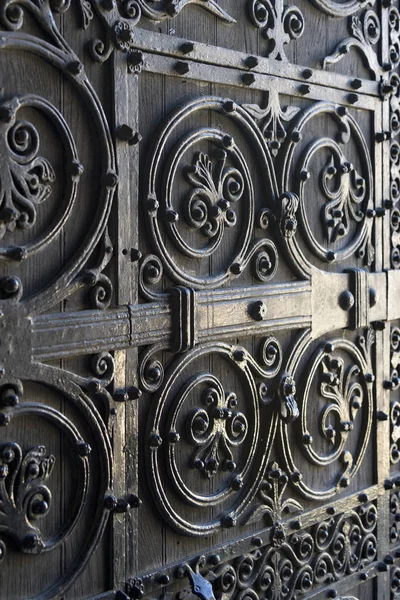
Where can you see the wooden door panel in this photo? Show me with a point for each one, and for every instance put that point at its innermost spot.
(222, 342)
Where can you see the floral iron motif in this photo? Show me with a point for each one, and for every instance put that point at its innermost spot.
(279, 25)
(23, 496)
(366, 33)
(345, 201)
(273, 506)
(271, 119)
(294, 565)
(215, 429)
(25, 178)
(208, 206)
(160, 10)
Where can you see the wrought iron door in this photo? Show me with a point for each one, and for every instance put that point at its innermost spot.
(199, 312)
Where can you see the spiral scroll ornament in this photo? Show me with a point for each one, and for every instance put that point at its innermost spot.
(346, 191)
(216, 430)
(303, 562)
(366, 33)
(220, 186)
(279, 25)
(340, 375)
(26, 486)
(27, 178)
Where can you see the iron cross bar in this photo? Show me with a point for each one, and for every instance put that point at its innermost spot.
(327, 302)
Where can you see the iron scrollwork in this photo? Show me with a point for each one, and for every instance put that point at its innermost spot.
(220, 182)
(219, 437)
(279, 25)
(393, 384)
(24, 497)
(348, 205)
(302, 562)
(347, 391)
(366, 34)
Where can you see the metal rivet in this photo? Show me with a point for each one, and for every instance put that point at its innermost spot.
(380, 211)
(83, 449)
(331, 256)
(171, 216)
(228, 521)
(382, 567)
(352, 98)
(162, 579)
(346, 300)
(237, 483)
(182, 67)
(363, 497)
(110, 502)
(331, 510)
(75, 67)
(173, 437)
(251, 62)
(329, 348)
(121, 395)
(76, 169)
(186, 47)
(155, 440)
(229, 106)
(257, 541)
(180, 572)
(152, 204)
(332, 593)
(342, 111)
(236, 268)
(369, 377)
(248, 78)
(125, 133)
(258, 310)
(111, 179)
(296, 524)
(388, 559)
(304, 89)
(356, 84)
(135, 254)
(6, 114)
(134, 501)
(307, 73)
(296, 477)
(214, 560)
(122, 505)
(387, 88)
(307, 439)
(382, 416)
(239, 355)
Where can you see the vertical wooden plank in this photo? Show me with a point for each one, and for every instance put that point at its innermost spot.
(125, 425)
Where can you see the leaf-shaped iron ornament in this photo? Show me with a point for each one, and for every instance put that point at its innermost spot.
(24, 497)
(366, 33)
(215, 429)
(271, 120)
(26, 178)
(273, 506)
(208, 206)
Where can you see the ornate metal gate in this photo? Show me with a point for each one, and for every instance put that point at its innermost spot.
(200, 316)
